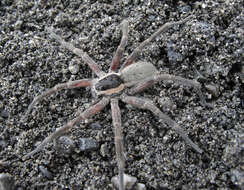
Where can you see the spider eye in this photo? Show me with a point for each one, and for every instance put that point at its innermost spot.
(109, 82)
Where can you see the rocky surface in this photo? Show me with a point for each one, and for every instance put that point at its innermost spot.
(208, 48)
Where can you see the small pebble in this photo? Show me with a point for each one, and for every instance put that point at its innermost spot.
(237, 177)
(129, 181)
(213, 90)
(185, 9)
(175, 56)
(104, 150)
(3, 143)
(87, 144)
(166, 104)
(45, 172)
(6, 182)
(74, 69)
(140, 186)
(64, 145)
(4, 114)
(96, 126)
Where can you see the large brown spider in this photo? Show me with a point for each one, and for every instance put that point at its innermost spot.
(113, 86)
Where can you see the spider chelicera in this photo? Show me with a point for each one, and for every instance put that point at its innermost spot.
(132, 78)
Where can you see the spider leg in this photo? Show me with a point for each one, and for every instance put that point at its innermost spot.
(84, 56)
(121, 48)
(61, 131)
(166, 77)
(136, 52)
(67, 85)
(147, 104)
(141, 86)
(118, 139)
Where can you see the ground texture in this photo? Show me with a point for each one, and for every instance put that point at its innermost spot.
(209, 48)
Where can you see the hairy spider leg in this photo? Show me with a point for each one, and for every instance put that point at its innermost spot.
(166, 77)
(84, 56)
(120, 50)
(118, 140)
(148, 82)
(148, 105)
(61, 131)
(137, 50)
(58, 87)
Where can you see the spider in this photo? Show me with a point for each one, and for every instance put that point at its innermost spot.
(118, 84)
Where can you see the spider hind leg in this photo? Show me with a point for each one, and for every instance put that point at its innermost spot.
(148, 105)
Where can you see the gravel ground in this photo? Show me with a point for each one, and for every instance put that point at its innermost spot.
(208, 48)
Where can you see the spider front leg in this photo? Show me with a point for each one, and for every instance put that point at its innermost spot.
(137, 50)
(147, 104)
(83, 55)
(118, 140)
(67, 85)
(61, 131)
(120, 50)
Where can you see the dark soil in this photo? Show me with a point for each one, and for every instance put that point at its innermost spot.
(209, 48)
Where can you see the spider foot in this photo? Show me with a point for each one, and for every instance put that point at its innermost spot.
(130, 183)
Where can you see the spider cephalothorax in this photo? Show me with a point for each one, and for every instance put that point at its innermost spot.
(109, 84)
(110, 87)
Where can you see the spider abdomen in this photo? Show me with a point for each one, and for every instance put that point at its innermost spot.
(112, 81)
(138, 71)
